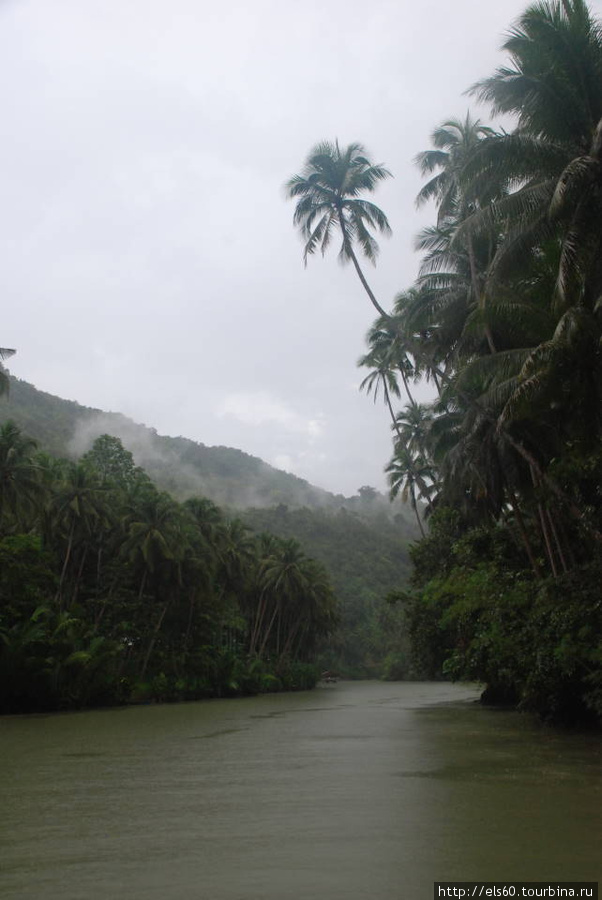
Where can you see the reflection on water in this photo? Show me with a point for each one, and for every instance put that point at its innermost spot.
(355, 791)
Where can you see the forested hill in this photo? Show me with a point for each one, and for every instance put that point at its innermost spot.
(362, 540)
(184, 468)
(229, 477)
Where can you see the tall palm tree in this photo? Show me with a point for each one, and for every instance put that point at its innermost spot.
(328, 193)
(284, 577)
(413, 425)
(457, 198)
(409, 474)
(389, 355)
(382, 374)
(78, 510)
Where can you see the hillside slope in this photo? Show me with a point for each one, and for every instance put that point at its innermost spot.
(185, 468)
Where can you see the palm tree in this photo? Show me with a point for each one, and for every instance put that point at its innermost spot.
(285, 580)
(454, 142)
(457, 199)
(409, 474)
(78, 509)
(328, 192)
(389, 354)
(152, 534)
(412, 425)
(20, 483)
(157, 546)
(382, 375)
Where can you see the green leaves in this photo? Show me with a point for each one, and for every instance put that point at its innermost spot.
(328, 193)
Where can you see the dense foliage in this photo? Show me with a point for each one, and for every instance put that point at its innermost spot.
(112, 591)
(361, 540)
(366, 554)
(505, 322)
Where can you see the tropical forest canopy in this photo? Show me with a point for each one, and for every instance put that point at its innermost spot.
(112, 591)
(505, 322)
(94, 600)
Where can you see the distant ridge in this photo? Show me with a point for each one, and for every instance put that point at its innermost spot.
(181, 466)
(228, 476)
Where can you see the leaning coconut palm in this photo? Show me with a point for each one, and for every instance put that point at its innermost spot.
(328, 193)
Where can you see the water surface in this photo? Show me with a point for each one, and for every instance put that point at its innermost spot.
(354, 791)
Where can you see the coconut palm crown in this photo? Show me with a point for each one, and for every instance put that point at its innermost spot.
(328, 193)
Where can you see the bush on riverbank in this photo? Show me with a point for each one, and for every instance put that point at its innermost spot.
(535, 643)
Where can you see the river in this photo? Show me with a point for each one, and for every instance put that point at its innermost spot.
(354, 791)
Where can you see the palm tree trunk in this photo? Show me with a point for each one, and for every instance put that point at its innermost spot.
(478, 294)
(290, 638)
(79, 575)
(524, 535)
(546, 537)
(153, 639)
(404, 378)
(415, 508)
(391, 412)
(360, 274)
(559, 549)
(59, 593)
(268, 630)
(261, 607)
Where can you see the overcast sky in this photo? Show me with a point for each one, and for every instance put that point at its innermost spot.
(149, 262)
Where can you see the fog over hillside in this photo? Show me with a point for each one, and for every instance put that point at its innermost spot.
(181, 466)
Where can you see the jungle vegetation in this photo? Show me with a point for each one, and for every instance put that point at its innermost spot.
(504, 468)
(111, 591)
(361, 540)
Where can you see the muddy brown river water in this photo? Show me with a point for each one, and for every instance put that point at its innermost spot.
(354, 791)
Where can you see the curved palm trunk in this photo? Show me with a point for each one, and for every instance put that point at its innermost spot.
(360, 274)
(259, 616)
(79, 576)
(406, 386)
(415, 508)
(391, 412)
(266, 637)
(153, 639)
(59, 593)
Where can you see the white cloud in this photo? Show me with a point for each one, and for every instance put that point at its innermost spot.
(261, 408)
